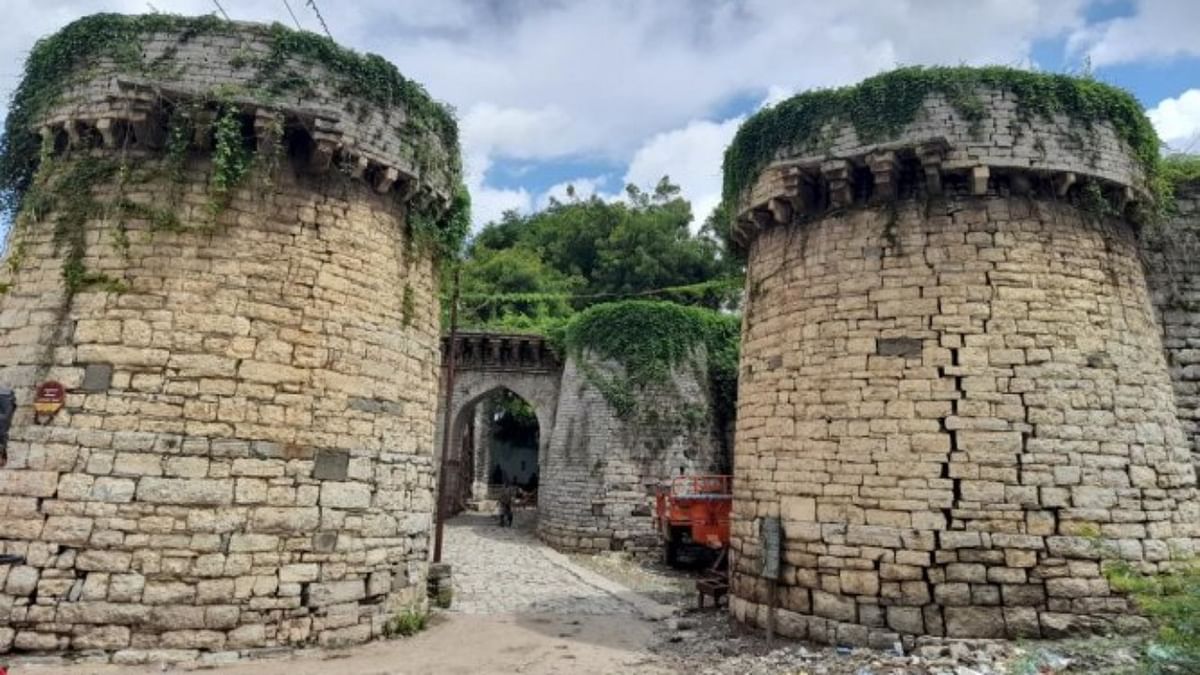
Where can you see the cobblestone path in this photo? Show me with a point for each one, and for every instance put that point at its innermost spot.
(502, 570)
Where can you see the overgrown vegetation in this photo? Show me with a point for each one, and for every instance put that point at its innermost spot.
(528, 272)
(1177, 170)
(1172, 602)
(880, 107)
(61, 59)
(622, 281)
(517, 420)
(650, 339)
(231, 159)
(1172, 239)
(70, 195)
(406, 623)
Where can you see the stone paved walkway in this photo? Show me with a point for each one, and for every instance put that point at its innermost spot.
(508, 571)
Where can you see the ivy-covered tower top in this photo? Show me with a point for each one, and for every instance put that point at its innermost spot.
(116, 80)
(1034, 132)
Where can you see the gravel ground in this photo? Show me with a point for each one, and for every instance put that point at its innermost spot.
(521, 607)
(708, 642)
(649, 578)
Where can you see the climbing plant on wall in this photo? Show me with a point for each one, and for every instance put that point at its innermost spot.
(61, 60)
(650, 340)
(880, 107)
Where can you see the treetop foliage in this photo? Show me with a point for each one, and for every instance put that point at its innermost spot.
(527, 271)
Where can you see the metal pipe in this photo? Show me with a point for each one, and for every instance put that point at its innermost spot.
(446, 415)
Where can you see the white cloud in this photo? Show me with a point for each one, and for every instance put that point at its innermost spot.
(488, 203)
(1159, 29)
(624, 81)
(584, 188)
(775, 94)
(691, 156)
(620, 71)
(1177, 121)
(516, 132)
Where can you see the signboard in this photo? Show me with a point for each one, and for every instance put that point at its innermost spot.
(771, 535)
(8, 407)
(48, 400)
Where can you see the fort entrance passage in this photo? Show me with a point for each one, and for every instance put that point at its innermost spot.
(494, 371)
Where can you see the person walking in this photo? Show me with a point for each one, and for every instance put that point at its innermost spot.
(506, 505)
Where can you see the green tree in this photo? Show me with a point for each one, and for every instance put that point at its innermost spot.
(596, 250)
(535, 290)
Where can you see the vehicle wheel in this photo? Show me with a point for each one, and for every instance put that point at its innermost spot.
(671, 548)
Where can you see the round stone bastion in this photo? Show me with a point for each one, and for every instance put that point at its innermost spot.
(954, 407)
(226, 262)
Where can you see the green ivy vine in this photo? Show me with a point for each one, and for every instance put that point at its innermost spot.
(649, 339)
(230, 158)
(1177, 170)
(880, 107)
(57, 60)
(70, 195)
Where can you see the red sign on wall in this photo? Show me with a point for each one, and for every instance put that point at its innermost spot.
(51, 392)
(48, 400)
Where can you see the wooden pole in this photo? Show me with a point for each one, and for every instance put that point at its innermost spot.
(446, 424)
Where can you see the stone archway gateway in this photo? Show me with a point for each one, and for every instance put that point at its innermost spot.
(953, 392)
(244, 459)
(487, 363)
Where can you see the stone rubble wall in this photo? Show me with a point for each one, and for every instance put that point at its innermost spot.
(1173, 272)
(599, 473)
(245, 456)
(957, 407)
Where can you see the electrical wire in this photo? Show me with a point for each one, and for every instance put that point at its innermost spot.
(313, 4)
(220, 9)
(294, 19)
(715, 284)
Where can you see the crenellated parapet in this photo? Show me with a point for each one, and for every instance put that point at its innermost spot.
(501, 352)
(994, 141)
(330, 107)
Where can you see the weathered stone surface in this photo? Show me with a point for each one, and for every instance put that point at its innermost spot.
(345, 495)
(102, 613)
(185, 491)
(21, 580)
(285, 519)
(101, 637)
(6, 639)
(97, 377)
(905, 347)
(177, 505)
(334, 592)
(103, 561)
(972, 423)
(331, 465)
(597, 484)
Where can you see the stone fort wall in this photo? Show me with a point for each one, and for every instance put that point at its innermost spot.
(244, 459)
(600, 471)
(1172, 256)
(953, 392)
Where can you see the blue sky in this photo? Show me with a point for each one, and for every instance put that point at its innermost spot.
(603, 92)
